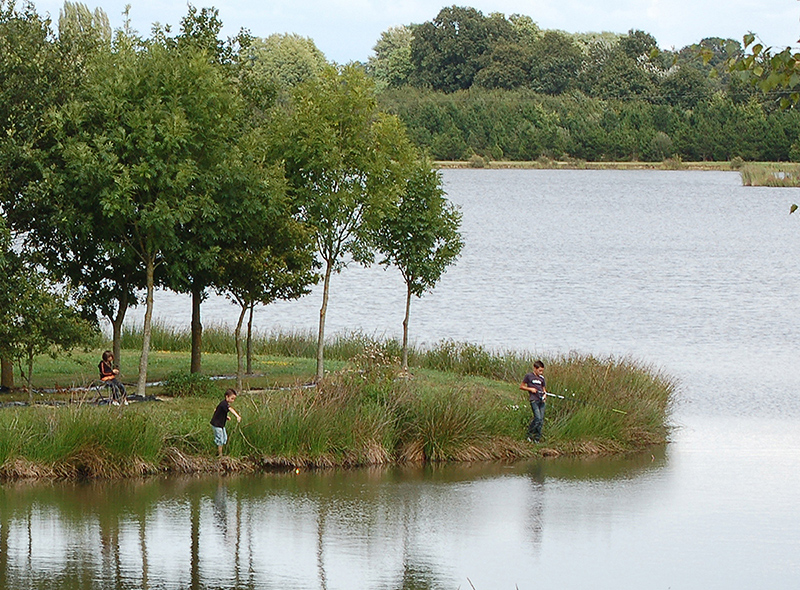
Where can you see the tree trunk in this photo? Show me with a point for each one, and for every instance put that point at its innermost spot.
(29, 378)
(240, 350)
(321, 334)
(197, 330)
(250, 340)
(405, 329)
(7, 374)
(116, 327)
(141, 384)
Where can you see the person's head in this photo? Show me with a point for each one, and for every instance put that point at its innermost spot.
(108, 356)
(538, 367)
(230, 395)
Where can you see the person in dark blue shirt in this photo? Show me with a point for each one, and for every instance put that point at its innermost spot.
(220, 418)
(534, 384)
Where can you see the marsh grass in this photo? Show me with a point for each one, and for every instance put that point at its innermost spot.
(770, 174)
(461, 402)
(219, 338)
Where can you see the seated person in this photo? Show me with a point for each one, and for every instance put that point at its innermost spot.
(110, 376)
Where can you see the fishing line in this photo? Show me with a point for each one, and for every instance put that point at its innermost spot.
(577, 399)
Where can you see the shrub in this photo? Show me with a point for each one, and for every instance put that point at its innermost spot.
(180, 384)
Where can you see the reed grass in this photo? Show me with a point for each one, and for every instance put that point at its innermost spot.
(461, 403)
(780, 174)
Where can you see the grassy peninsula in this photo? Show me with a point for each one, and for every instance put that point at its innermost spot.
(460, 403)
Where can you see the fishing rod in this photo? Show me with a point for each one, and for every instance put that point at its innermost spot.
(577, 399)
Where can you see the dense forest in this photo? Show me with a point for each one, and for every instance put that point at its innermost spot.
(500, 87)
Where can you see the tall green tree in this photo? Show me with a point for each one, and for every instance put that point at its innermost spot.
(192, 268)
(150, 136)
(36, 318)
(7, 368)
(282, 61)
(420, 237)
(31, 83)
(449, 51)
(344, 162)
(275, 264)
(555, 62)
(64, 224)
(391, 62)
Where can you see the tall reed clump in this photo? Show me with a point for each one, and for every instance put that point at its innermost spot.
(762, 174)
(371, 414)
(79, 441)
(219, 338)
(613, 404)
(347, 420)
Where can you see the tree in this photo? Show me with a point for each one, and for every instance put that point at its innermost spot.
(35, 319)
(7, 368)
(150, 138)
(391, 63)
(192, 268)
(774, 72)
(282, 61)
(508, 66)
(555, 63)
(31, 75)
(420, 237)
(344, 160)
(449, 51)
(278, 266)
(685, 86)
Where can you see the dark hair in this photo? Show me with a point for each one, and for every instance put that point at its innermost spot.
(107, 354)
(538, 364)
(230, 392)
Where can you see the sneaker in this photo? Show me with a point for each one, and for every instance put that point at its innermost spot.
(126, 403)
(114, 402)
(529, 439)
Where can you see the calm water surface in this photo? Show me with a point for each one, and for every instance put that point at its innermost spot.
(688, 271)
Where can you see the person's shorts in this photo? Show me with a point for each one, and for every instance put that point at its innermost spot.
(220, 436)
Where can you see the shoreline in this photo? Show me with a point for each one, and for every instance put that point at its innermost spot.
(460, 404)
(581, 165)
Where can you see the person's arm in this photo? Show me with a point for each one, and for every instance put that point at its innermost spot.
(235, 413)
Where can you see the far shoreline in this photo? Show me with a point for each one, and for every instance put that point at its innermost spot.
(479, 163)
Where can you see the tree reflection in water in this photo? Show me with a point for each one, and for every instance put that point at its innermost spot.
(397, 528)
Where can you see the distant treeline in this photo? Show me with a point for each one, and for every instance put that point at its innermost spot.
(503, 88)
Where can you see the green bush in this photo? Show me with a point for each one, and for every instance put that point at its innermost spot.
(181, 384)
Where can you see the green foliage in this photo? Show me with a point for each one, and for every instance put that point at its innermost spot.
(524, 125)
(182, 384)
(36, 318)
(391, 63)
(449, 51)
(770, 174)
(773, 72)
(282, 61)
(345, 162)
(420, 236)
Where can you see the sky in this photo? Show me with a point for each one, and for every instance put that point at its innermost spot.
(347, 30)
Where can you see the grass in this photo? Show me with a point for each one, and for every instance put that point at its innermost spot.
(770, 174)
(461, 403)
(546, 163)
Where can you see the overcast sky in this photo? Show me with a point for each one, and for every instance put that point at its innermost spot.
(346, 30)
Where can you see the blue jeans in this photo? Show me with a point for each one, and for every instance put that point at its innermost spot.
(535, 427)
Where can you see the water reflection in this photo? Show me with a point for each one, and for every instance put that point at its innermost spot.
(401, 527)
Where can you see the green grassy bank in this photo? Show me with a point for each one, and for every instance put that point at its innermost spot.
(545, 163)
(771, 174)
(460, 403)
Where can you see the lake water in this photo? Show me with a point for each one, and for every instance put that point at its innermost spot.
(687, 271)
